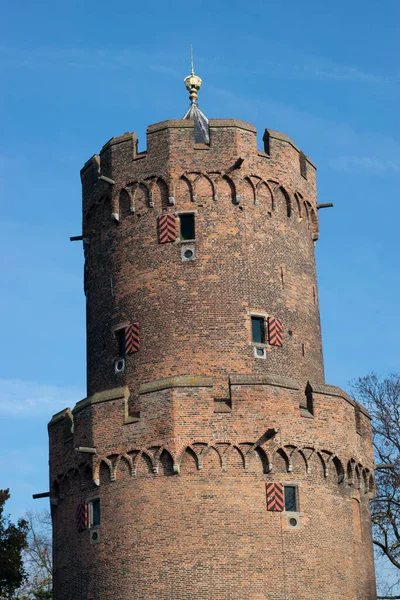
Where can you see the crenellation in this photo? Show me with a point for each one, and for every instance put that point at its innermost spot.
(250, 399)
(171, 153)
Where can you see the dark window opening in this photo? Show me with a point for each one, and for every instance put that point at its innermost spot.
(303, 165)
(257, 330)
(187, 227)
(121, 342)
(95, 512)
(266, 142)
(290, 493)
(309, 399)
(358, 419)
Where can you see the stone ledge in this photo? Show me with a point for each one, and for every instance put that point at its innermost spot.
(93, 160)
(60, 416)
(276, 380)
(190, 381)
(189, 123)
(171, 124)
(333, 390)
(125, 137)
(232, 123)
(105, 396)
(172, 382)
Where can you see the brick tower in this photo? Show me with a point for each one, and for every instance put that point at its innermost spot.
(209, 460)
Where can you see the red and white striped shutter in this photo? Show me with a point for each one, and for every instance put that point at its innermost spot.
(166, 228)
(82, 516)
(275, 501)
(132, 339)
(275, 331)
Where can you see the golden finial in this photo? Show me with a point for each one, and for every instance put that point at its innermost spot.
(192, 82)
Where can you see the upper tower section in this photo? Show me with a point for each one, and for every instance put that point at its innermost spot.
(199, 256)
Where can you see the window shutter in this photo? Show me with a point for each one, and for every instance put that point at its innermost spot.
(166, 228)
(275, 500)
(274, 331)
(82, 516)
(132, 340)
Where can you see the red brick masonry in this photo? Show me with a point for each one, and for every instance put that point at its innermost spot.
(195, 425)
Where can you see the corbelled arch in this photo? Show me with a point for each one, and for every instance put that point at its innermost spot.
(183, 191)
(282, 200)
(124, 203)
(264, 196)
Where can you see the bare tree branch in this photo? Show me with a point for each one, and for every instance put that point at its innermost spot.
(382, 399)
(37, 557)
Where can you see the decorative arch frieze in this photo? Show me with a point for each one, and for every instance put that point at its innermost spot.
(156, 192)
(222, 455)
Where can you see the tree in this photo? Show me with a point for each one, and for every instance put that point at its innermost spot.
(37, 558)
(12, 543)
(382, 399)
(43, 595)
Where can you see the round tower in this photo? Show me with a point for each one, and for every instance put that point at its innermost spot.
(209, 459)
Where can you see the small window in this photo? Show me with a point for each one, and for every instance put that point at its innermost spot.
(303, 165)
(187, 226)
(257, 330)
(94, 512)
(120, 334)
(266, 142)
(309, 398)
(357, 413)
(290, 493)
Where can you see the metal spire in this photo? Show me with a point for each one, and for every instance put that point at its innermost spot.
(191, 58)
(193, 84)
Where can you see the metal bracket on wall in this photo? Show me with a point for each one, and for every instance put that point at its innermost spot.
(86, 450)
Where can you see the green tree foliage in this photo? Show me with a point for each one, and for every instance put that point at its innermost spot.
(382, 399)
(12, 543)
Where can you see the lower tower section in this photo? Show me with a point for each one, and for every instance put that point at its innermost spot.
(263, 494)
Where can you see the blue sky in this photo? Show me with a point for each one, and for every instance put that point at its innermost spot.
(75, 74)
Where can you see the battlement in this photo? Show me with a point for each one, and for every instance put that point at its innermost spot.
(171, 152)
(180, 132)
(168, 406)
